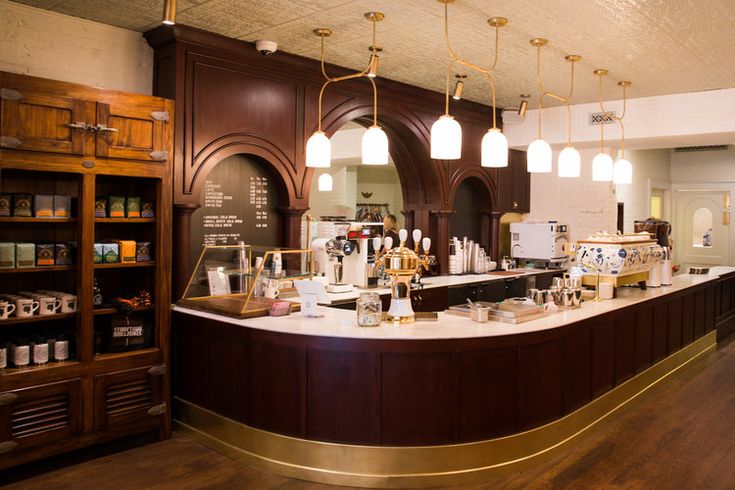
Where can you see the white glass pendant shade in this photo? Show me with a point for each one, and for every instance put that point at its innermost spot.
(318, 151)
(325, 182)
(602, 168)
(446, 139)
(494, 149)
(623, 171)
(569, 162)
(374, 147)
(538, 157)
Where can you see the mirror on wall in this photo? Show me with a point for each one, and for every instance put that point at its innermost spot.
(360, 193)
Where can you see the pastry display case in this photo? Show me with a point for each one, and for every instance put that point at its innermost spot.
(244, 281)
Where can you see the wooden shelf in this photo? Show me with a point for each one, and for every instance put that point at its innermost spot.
(14, 219)
(120, 265)
(124, 355)
(112, 311)
(37, 318)
(51, 365)
(47, 268)
(125, 220)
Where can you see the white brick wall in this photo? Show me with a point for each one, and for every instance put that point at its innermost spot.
(50, 45)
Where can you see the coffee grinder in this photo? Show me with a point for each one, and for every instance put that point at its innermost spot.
(337, 249)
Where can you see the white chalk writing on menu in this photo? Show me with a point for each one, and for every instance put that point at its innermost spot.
(259, 199)
(222, 229)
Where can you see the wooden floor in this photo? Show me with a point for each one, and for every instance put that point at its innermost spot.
(678, 435)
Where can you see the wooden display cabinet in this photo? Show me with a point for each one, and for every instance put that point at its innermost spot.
(62, 138)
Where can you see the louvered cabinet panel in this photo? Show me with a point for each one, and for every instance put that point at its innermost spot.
(128, 397)
(39, 414)
(133, 131)
(40, 122)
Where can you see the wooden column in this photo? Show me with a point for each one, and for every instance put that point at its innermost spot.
(495, 235)
(182, 232)
(440, 234)
(292, 225)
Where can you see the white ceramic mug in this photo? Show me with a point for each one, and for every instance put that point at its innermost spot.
(550, 307)
(271, 292)
(25, 307)
(68, 303)
(48, 305)
(6, 309)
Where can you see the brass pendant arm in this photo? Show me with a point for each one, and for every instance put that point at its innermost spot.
(343, 77)
(459, 60)
(490, 81)
(446, 88)
(572, 59)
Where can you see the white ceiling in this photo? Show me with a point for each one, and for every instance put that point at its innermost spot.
(662, 46)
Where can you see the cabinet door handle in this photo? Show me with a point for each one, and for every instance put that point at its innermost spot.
(102, 128)
(157, 410)
(80, 125)
(159, 370)
(7, 398)
(7, 446)
(515, 204)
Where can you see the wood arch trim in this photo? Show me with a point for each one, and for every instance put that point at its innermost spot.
(244, 144)
(478, 173)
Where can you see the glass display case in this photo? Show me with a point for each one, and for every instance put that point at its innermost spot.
(243, 281)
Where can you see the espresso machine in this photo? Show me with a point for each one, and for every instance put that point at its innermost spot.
(329, 255)
(357, 268)
(401, 264)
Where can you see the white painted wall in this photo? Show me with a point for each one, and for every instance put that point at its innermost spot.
(703, 166)
(649, 166)
(46, 44)
(584, 205)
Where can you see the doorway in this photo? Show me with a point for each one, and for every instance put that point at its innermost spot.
(701, 227)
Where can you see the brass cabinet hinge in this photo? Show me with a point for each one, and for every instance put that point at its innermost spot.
(159, 370)
(10, 94)
(9, 142)
(7, 398)
(157, 410)
(160, 116)
(7, 446)
(159, 156)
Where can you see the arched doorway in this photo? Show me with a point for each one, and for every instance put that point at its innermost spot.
(239, 201)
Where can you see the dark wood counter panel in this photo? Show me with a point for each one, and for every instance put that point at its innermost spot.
(437, 391)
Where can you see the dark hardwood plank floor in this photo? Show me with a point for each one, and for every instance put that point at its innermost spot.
(680, 434)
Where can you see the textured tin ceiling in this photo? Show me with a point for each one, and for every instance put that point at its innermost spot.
(663, 46)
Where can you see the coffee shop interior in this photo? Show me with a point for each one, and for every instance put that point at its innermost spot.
(367, 243)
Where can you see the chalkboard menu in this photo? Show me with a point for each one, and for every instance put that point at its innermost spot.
(238, 203)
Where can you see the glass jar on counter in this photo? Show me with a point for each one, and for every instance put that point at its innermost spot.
(369, 310)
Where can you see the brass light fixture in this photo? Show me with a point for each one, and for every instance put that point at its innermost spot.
(374, 141)
(169, 12)
(603, 169)
(539, 151)
(446, 133)
(523, 107)
(458, 86)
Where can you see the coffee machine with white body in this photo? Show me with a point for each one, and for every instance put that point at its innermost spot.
(540, 243)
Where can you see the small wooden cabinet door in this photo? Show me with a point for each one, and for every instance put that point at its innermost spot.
(40, 414)
(131, 397)
(133, 130)
(514, 184)
(41, 122)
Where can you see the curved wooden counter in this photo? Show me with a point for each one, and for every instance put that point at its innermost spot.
(377, 389)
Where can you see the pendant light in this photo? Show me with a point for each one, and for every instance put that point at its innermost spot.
(325, 182)
(374, 141)
(602, 164)
(446, 133)
(622, 169)
(539, 159)
(169, 12)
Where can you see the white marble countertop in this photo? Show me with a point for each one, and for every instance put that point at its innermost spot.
(343, 323)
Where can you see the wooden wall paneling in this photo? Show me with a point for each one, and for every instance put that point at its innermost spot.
(488, 394)
(700, 312)
(603, 357)
(675, 323)
(687, 319)
(726, 298)
(409, 381)
(625, 351)
(540, 383)
(224, 365)
(577, 372)
(710, 309)
(660, 331)
(643, 339)
(189, 375)
(277, 387)
(344, 386)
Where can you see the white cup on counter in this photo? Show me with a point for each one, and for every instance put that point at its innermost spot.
(271, 292)
(606, 290)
